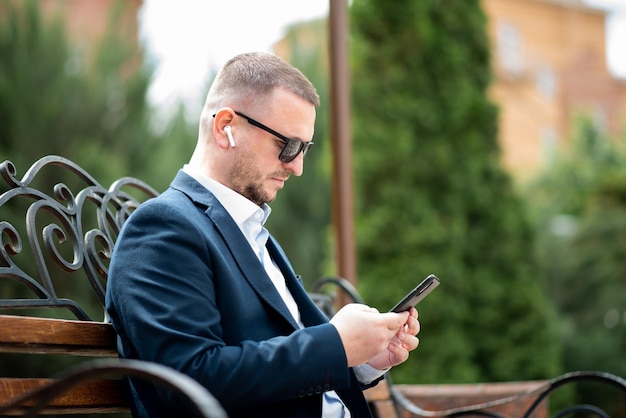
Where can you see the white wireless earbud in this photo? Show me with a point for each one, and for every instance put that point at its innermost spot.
(229, 134)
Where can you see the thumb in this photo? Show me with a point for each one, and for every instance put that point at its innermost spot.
(396, 320)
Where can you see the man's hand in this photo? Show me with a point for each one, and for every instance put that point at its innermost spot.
(375, 338)
(400, 346)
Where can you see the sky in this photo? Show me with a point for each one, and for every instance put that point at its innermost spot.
(188, 39)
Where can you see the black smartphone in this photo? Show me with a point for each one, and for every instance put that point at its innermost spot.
(416, 295)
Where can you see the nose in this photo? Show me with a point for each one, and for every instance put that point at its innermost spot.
(296, 166)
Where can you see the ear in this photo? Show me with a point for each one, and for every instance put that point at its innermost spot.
(222, 119)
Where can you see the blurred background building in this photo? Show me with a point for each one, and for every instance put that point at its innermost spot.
(87, 21)
(550, 66)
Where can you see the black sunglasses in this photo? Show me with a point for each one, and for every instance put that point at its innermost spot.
(292, 147)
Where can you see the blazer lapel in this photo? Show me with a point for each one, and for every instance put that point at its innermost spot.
(248, 263)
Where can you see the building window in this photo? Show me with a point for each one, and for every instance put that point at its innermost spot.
(510, 54)
(546, 82)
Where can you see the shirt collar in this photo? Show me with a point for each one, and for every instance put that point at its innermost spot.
(238, 207)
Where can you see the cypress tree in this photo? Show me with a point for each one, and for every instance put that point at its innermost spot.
(433, 198)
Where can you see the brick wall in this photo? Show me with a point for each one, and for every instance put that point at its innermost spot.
(550, 65)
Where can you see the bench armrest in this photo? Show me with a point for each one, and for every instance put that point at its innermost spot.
(539, 394)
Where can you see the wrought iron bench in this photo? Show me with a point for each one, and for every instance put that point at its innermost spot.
(51, 236)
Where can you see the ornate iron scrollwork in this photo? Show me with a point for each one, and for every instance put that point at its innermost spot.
(73, 228)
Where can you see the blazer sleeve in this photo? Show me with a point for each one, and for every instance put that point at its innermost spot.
(176, 296)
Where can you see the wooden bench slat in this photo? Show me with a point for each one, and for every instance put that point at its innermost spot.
(380, 392)
(379, 400)
(20, 334)
(384, 409)
(94, 396)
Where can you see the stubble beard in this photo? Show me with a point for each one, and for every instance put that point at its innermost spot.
(247, 181)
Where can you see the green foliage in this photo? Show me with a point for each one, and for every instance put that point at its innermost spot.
(83, 100)
(432, 197)
(53, 100)
(589, 174)
(581, 218)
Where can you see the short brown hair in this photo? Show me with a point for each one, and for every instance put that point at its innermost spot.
(258, 74)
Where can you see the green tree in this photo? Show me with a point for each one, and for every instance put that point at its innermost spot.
(55, 98)
(86, 103)
(580, 212)
(432, 197)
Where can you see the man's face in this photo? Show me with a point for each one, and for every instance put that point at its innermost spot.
(257, 173)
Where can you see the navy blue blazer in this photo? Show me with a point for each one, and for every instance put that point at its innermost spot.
(186, 290)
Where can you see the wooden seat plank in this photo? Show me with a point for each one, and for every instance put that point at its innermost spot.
(20, 334)
(95, 396)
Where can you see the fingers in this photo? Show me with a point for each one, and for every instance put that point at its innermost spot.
(398, 354)
(370, 309)
(412, 326)
(401, 346)
(407, 341)
(406, 338)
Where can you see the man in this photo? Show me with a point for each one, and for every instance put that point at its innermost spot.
(194, 285)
